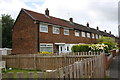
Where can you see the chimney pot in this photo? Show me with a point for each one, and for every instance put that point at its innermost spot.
(97, 28)
(71, 19)
(105, 30)
(110, 32)
(87, 24)
(47, 12)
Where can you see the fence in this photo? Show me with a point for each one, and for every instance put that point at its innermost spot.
(38, 62)
(87, 68)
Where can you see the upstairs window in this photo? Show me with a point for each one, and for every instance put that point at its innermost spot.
(66, 31)
(83, 34)
(77, 33)
(93, 36)
(88, 35)
(96, 36)
(43, 28)
(99, 36)
(56, 30)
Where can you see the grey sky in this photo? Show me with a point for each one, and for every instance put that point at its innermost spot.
(101, 13)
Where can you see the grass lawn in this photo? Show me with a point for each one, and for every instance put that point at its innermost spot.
(14, 70)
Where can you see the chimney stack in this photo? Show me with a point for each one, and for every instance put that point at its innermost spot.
(105, 30)
(97, 28)
(87, 24)
(110, 32)
(71, 19)
(47, 12)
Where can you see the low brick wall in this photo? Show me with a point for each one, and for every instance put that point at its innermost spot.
(108, 61)
(114, 53)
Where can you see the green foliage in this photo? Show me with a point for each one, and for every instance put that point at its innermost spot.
(80, 48)
(0, 32)
(7, 23)
(108, 41)
(99, 48)
(45, 52)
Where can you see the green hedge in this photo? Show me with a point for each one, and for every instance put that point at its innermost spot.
(80, 48)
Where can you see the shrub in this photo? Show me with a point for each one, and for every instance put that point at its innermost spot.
(99, 48)
(80, 48)
(45, 52)
(108, 41)
(75, 48)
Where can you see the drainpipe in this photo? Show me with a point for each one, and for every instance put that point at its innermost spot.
(37, 23)
(38, 38)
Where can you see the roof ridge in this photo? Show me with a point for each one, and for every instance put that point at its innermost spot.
(62, 22)
(42, 14)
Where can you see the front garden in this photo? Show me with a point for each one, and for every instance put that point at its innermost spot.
(105, 45)
(15, 71)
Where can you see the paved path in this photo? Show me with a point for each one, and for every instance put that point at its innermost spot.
(114, 68)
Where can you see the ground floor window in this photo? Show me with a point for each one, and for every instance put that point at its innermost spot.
(46, 47)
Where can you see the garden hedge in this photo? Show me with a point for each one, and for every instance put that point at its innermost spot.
(80, 48)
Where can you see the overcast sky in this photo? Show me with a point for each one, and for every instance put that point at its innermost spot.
(101, 13)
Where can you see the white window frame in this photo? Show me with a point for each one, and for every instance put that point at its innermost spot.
(88, 35)
(83, 34)
(96, 36)
(44, 26)
(77, 33)
(54, 32)
(45, 45)
(93, 35)
(67, 48)
(100, 36)
(66, 29)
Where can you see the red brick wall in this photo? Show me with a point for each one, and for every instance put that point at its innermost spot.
(24, 35)
(61, 38)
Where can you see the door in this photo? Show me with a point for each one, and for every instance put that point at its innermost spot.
(59, 48)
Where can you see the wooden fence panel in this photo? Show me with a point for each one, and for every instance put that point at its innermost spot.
(30, 75)
(82, 68)
(10, 75)
(75, 71)
(71, 71)
(20, 75)
(40, 74)
(66, 71)
(61, 73)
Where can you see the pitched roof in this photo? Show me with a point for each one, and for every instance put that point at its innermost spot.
(61, 22)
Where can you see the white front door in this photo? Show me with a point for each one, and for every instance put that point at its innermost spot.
(61, 49)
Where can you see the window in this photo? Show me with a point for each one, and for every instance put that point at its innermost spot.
(67, 48)
(61, 48)
(99, 36)
(96, 36)
(43, 28)
(66, 31)
(46, 47)
(93, 36)
(56, 30)
(76, 33)
(88, 35)
(83, 34)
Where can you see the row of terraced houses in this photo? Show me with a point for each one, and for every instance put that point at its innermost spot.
(35, 32)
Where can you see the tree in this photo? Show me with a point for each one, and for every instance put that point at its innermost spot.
(0, 33)
(108, 41)
(7, 23)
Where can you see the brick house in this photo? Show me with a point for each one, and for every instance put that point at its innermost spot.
(35, 32)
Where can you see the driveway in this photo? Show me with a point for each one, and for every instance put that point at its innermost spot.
(115, 68)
